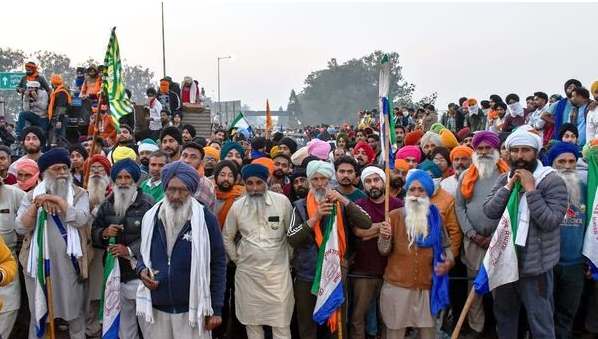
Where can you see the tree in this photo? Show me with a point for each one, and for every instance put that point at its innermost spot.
(11, 59)
(340, 91)
(54, 63)
(137, 79)
(294, 109)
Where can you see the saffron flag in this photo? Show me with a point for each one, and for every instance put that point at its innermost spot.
(388, 140)
(43, 273)
(500, 262)
(328, 286)
(113, 85)
(590, 244)
(110, 301)
(268, 119)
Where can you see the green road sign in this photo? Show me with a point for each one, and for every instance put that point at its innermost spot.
(10, 80)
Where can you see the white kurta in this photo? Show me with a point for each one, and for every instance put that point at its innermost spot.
(264, 288)
(10, 200)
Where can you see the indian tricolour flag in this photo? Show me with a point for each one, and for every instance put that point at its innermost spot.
(590, 244)
(500, 262)
(241, 122)
(328, 286)
(110, 302)
(43, 273)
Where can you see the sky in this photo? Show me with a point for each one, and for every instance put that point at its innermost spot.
(454, 49)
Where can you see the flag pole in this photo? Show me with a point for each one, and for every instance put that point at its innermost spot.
(340, 323)
(464, 312)
(93, 142)
(387, 167)
(50, 306)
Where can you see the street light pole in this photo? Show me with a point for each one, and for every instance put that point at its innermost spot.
(219, 104)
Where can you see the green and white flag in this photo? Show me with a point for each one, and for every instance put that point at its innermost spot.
(113, 85)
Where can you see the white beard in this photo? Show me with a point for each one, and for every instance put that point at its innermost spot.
(123, 198)
(174, 217)
(486, 166)
(416, 217)
(97, 189)
(319, 193)
(58, 186)
(257, 203)
(572, 182)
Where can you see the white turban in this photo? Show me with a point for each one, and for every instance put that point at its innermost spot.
(433, 137)
(366, 172)
(523, 138)
(33, 84)
(318, 166)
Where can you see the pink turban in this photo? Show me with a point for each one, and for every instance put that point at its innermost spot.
(29, 166)
(318, 148)
(409, 151)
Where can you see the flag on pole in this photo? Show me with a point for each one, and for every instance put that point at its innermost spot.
(110, 301)
(590, 244)
(113, 86)
(268, 119)
(43, 271)
(388, 140)
(241, 122)
(328, 286)
(500, 262)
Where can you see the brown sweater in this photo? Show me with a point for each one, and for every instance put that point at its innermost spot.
(408, 266)
(446, 205)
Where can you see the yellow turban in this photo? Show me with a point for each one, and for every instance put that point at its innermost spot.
(209, 150)
(448, 139)
(122, 152)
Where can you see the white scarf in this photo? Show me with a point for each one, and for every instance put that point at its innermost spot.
(192, 93)
(200, 301)
(73, 242)
(524, 216)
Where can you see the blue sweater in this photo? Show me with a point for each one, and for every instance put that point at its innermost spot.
(572, 232)
(172, 294)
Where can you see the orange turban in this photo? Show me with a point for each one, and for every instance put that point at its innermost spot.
(461, 151)
(413, 137)
(448, 139)
(56, 80)
(401, 164)
(265, 162)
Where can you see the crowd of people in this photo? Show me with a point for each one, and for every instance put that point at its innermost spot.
(219, 235)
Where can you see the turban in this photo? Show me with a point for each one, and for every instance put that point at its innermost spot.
(368, 150)
(409, 151)
(34, 84)
(122, 152)
(298, 157)
(29, 166)
(319, 166)
(485, 136)
(56, 80)
(187, 174)
(432, 167)
(209, 150)
(461, 151)
(266, 162)
(258, 143)
(101, 159)
(448, 139)
(423, 178)
(189, 129)
(274, 151)
(470, 102)
(436, 127)
(174, 132)
(344, 137)
(430, 136)
(128, 165)
(187, 79)
(38, 133)
(463, 133)
(31, 64)
(290, 143)
(54, 156)
(318, 148)
(243, 131)
(230, 146)
(226, 163)
(180, 114)
(298, 172)
(255, 170)
(79, 149)
(562, 147)
(413, 137)
(401, 164)
(594, 87)
(366, 172)
(568, 127)
(147, 145)
(523, 138)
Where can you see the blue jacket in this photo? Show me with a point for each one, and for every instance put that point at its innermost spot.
(172, 294)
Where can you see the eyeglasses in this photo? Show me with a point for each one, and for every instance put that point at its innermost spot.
(97, 168)
(179, 190)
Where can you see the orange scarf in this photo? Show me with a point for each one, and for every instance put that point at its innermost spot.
(472, 176)
(53, 97)
(312, 206)
(33, 76)
(228, 197)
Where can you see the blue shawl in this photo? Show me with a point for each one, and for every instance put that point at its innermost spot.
(558, 116)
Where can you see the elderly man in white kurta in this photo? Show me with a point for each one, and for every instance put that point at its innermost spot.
(67, 210)
(264, 292)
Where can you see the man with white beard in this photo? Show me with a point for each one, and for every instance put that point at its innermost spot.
(415, 287)
(474, 185)
(263, 285)
(120, 216)
(569, 271)
(182, 263)
(460, 158)
(65, 207)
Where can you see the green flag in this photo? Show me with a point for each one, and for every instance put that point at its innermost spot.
(112, 82)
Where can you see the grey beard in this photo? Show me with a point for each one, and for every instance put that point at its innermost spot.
(97, 189)
(572, 182)
(416, 218)
(319, 193)
(123, 198)
(486, 165)
(174, 217)
(58, 186)
(257, 203)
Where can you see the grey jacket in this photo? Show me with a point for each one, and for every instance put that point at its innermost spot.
(547, 205)
(38, 106)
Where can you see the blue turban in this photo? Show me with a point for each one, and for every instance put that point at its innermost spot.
(423, 178)
(255, 170)
(54, 156)
(231, 145)
(128, 165)
(184, 172)
(318, 166)
(432, 167)
(560, 148)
